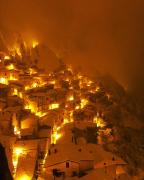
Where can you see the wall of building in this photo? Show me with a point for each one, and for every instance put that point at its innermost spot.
(86, 165)
(73, 167)
(28, 123)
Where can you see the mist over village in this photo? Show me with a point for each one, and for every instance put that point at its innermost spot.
(71, 90)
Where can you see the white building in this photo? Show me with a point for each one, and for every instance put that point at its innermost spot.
(68, 159)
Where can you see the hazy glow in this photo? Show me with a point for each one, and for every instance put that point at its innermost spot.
(7, 57)
(18, 151)
(40, 83)
(84, 102)
(10, 67)
(99, 122)
(18, 51)
(31, 106)
(71, 98)
(52, 82)
(3, 80)
(35, 43)
(24, 177)
(16, 131)
(12, 78)
(32, 71)
(77, 107)
(55, 134)
(40, 114)
(20, 95)
(15, 92)
(54, 106)
(34, 85)
(65, 121)
(54, 137)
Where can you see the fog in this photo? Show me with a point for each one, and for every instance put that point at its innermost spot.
(103, 35)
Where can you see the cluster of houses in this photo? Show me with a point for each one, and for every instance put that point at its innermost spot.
(34, 108)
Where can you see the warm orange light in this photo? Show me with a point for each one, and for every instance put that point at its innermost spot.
(10, 67)
(84, 102)
(40, 83)
(65, 121)
(32, 71)
(34, 85)
(52, 82)
(71, 116)
(20, 95)
(77, 107)
(3, 80)
(15, 92)
(71, 98)
(24, 177)
(34, 44)
(31, 106)
(97, 88)
(54, 106)
(99, 122)
(89, 82)
(12, 78)
(27, 87)
(70, 68)
(54, 137)
(79, 76)
(7, 57)
(55, 134)
(18, 51)
(18, 151)
(40, 114)
(16, 131)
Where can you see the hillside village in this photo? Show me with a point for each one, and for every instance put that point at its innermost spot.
(64, 125)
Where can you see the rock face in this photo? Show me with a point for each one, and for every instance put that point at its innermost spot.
(4, 169)
(47, 58)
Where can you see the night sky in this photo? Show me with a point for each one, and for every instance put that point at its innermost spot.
(104, 35)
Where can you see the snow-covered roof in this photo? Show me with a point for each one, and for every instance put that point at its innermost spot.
(109, 162)
(68, 152)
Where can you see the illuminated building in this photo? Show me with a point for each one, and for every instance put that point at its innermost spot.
(55, 135)
(17, 151)
(7, 57)
(54, 106)
(3, 80)
(99, 122)
(71, 98)
(10, 67)
(35, 44)
(84, 102)
(23, 177)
